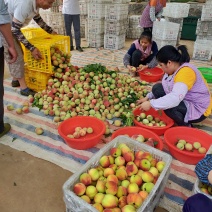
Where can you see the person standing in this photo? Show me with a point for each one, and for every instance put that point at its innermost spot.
(22, 12)
(151, 12)
(71, 11)
(5, 30)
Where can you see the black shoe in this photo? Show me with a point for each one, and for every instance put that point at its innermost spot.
(79, 49)
(15, 83)
(7, 128)
(72, 48)
(27, 92)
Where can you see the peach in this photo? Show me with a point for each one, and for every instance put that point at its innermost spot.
(113, 166)
(121, 174)
(104, 161)
(143, 194)
(147, 187)
(85, 178)
(115, 152)
(98, 206)
(145, 164)
(25, 109)
(86, 198)
(100, 186)
(125, 183)
(122, 191)
(111, 188)
(111, 159)
(119, 161)
(147, 156)
(160, 166)
(147, 177)
(39, 131)
(108, 171)
(79, 189)
(128, 156)
(109, 201)
(98, 197)
(202, 150)
(131, 169)
(122, 201)
(138, 154)
(134, 199)
(94, 173)
(128, 208)
(11, 107)
(136, 179)
(153, 162)
(91, 191)
(112, 178)
(132, 188)
(140, 172)
(154, 171)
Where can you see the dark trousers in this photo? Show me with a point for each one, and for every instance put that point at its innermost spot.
(1, 89)
(75, 20)
(198, 203)
(135, 60)
(176, 113)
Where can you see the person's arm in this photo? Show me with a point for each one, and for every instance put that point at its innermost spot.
(38, 19)
(152, 14)
(154, 61)
(128, 55)
(172, 99)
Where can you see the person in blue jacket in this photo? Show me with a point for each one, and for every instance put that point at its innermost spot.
(142, 52)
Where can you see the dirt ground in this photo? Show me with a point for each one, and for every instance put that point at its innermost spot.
(29, 184)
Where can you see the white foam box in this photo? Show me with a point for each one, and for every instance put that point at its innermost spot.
(95, 40)
(118, 27)
(202, 50)
(114, 42)
(161, 43)
(165, 30)
(116, 11)
(76, 204)
(206, 13)
(176, 10)
(196, 188)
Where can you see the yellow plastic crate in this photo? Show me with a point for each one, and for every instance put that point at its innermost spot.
(36, 80)
(30, 33)
(44, 44)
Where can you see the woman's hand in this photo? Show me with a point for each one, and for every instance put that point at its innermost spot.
(36, 54)
(145, 106)
(141, 68)
(142, 100)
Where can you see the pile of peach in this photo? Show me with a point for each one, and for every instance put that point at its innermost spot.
(80, 132)
(122, 180)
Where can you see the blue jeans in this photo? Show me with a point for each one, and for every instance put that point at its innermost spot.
(75, 20)
(1, 89)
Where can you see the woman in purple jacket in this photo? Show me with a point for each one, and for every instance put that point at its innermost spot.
(183, 94)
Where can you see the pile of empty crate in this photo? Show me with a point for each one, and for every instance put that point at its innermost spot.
(203, 43)
(107, 23)
(168, 31)
(134, 31)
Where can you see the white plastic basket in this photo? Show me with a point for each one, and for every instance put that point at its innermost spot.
(96, 11)
(202, 50)
(204, 28)
(165, 30)
(134, 33)
(206, 13)
(95, 40)
(96, 26)
(115, 27)
(116, 11)
(134, 20)
(161, 43)
(76, 204)
(196, 188)
(114, 42)
(120, 1)
(176, 10)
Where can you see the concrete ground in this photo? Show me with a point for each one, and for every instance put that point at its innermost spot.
(29, 184)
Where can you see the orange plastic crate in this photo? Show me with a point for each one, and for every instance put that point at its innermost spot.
(44, 44)
(36, 80)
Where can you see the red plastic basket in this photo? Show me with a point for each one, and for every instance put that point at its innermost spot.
(89, 140)
(131, 131)
(158, 130)
(151, 74)
(191, 135)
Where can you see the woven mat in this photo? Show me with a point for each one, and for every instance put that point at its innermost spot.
(52, 148)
